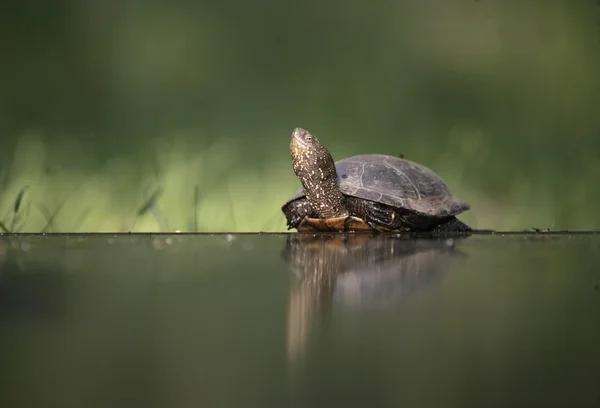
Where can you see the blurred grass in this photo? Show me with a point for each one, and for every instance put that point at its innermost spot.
(181, 187)
(152, 194)
(501, 99)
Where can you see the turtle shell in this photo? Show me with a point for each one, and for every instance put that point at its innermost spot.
(396, 182)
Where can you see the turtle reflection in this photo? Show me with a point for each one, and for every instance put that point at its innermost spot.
(358, 270)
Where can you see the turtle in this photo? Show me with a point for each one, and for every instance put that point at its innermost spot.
(368, 192)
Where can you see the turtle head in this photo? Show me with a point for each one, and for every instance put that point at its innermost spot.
(307, 151)
(315, 168)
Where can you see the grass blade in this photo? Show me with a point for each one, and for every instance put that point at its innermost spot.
(150, 202)
(19, 199)
(196, 203)
(148, 205)
(80, 219)
(17, 207)
(50, 216)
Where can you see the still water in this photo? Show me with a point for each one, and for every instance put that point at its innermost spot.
(295, 320)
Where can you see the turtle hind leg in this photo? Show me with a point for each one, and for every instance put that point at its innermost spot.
(377, 216)
(380, 216)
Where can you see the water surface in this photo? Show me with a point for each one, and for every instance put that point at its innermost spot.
(297, 320)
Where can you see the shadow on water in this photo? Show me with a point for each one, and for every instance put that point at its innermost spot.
(36, 295)
(275, 320)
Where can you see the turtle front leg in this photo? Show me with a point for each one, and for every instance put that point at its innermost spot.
(296, 211)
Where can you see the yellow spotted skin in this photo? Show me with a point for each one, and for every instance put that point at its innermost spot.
(315, 168)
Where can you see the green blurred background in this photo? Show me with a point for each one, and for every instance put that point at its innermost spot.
(163, 116)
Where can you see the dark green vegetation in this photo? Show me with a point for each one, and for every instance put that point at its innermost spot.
(144, 321)
(102, 107)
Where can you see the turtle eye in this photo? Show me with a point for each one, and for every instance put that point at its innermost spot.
(308, 138)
